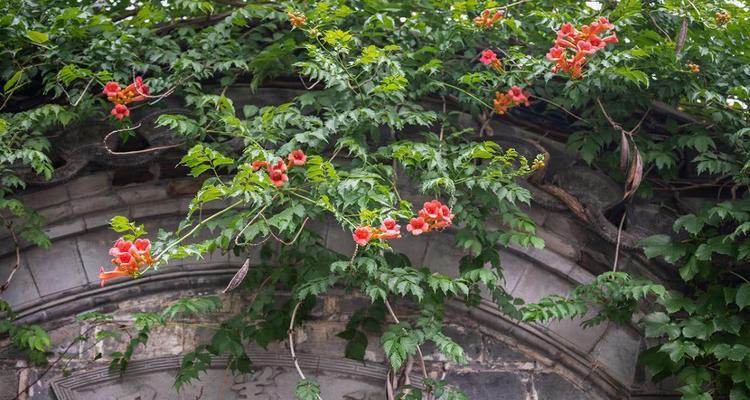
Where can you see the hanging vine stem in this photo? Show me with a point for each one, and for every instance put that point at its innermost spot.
(290, 333)
(195, 228)
(132, 128)
(85, 89)
(13, 271)
(619, 237)
(419, 350)
(299, 232)
(550, 102)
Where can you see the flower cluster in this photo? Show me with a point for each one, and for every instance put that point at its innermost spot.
(487, 19)
(490, 58)
(129, 258)
(434, 215)
(513, 97)
(582, 43)
(694, 68)
(389, 229)
(136, 91)
(295, 19)
(722, 17)
(277, 170)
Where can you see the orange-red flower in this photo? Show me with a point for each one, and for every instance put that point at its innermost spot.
(296, 19)
(120, 111)
(362, 235)
(417, 226)
(111, 88)
(722, 17)
(258, 164)
(389, 229)
(488, 56)
(488, 19)
(297, 157)
(513, 97)
(278, 177)
(581, 44)
(128, 259)
(136, 91)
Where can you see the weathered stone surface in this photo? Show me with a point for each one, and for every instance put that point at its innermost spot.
(67, 228)
(89, 185)
(498, 352)
(22, 289)
(553, 386)
(412, 247)
(90, 204)
(467, 336)
(93, 248)
(490, 385)
(45, 198)
(618, 351)
(58, 268)
(340, 240)
(442, 255)
(590, 184)
(8, 383)
(537, 283)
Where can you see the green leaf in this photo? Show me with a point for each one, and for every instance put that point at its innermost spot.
(37, 37)
(307, 389)
(743, 296)
(14, 79)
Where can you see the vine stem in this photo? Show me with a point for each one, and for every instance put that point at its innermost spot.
(467, 93)
(619, 236)
(195, 228)
(13, 271)
(57, 360)
(132, 128)
(550, 102)
(290, 333)
(738, 275)
(419, 350)
(509, 5)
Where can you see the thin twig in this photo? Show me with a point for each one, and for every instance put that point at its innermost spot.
(57, 360)
(132, 128)
(562, 108)
(290, 332)
(13, 271)
(85, 89)
(419, 350)
(617, 246)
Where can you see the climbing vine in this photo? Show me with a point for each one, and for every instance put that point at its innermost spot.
(654, 94)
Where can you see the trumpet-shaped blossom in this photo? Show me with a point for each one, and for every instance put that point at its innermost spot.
(572, 47)
(278, 177)
(434, 215)
(128, 259)
(362, 235)
(389, 229)
(136, 91)
(258, 164)
(488, 56)
(417, 226)
(487, 19)
(297, 157)
(296, 19)
(111, 89)
(120, 111)
(513, 97)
